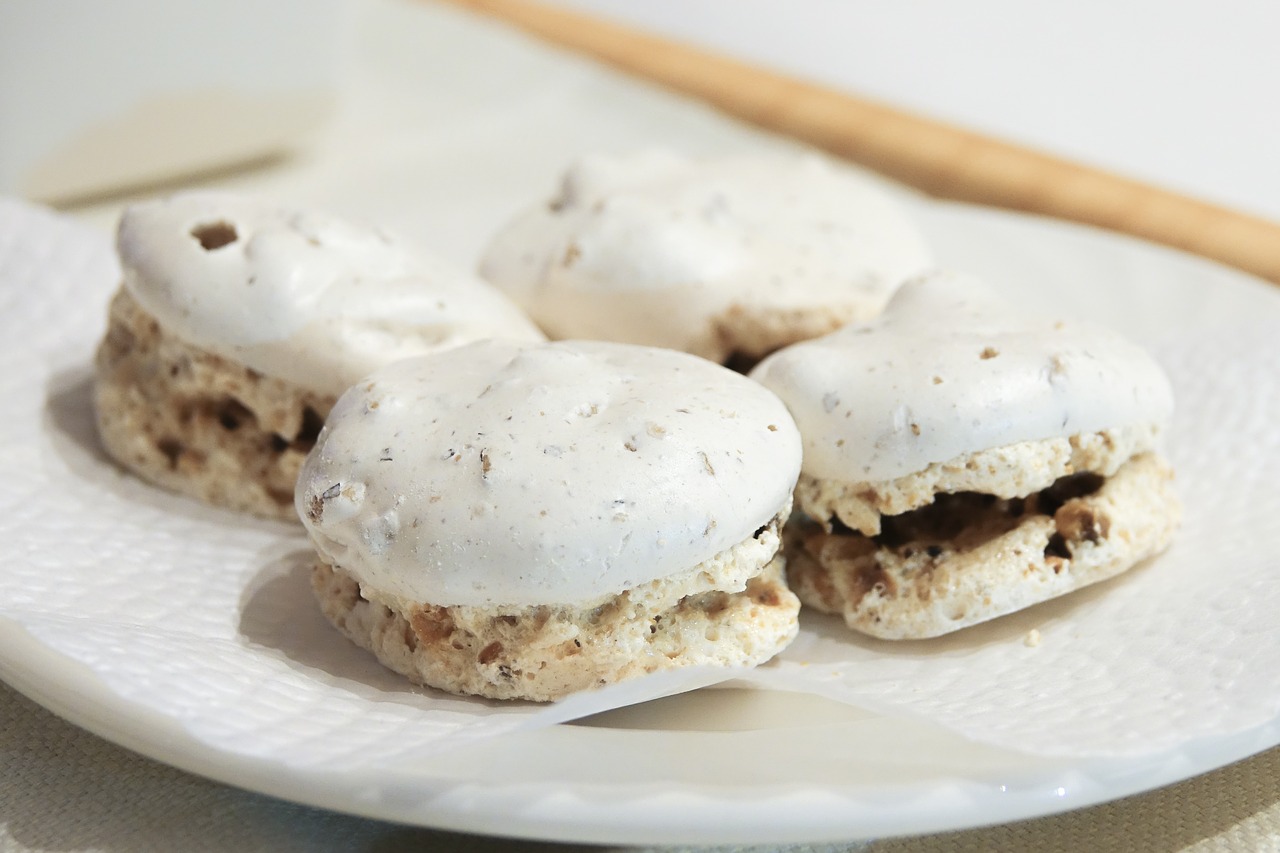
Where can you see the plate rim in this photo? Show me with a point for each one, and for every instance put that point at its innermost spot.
(626, 820)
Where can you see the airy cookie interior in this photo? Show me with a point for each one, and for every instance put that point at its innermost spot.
(727, 611)
(969, 557)
(199, 424)
(1006, 472)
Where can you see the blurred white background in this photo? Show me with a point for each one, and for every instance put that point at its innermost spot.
(1185, 95)
(1179, 94)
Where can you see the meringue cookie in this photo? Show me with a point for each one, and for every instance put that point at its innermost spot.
(731, 256)
(238, 324)
(524, 520)
(590, 467)
(963, 461)
(949, 369)
(296, 295)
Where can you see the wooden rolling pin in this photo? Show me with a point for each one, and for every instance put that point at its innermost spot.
(937, 158)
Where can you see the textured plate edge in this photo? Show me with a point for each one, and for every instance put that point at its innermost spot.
(74, 693)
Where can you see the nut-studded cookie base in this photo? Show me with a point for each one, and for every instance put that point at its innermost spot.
(969, 557)
(199, 424)
(726, 611)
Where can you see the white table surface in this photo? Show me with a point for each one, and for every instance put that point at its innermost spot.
(1179, 97)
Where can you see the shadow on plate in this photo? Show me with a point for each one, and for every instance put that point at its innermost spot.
(280, 616)
(725, 708)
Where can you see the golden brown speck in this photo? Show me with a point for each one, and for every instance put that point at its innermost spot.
(215, 235)
(490, 652)
(989, 352)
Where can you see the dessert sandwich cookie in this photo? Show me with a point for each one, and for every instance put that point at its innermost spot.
(523, 521)
(963, 461)
(727, 258)
(237, 325)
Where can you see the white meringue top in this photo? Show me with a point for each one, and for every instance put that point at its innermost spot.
(512, 474)
(649, 248)
(950, 369)
(299, 296)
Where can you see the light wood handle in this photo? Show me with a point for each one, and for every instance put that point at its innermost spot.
(937, 158)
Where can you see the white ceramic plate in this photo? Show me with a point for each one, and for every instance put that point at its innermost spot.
(188, 635)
